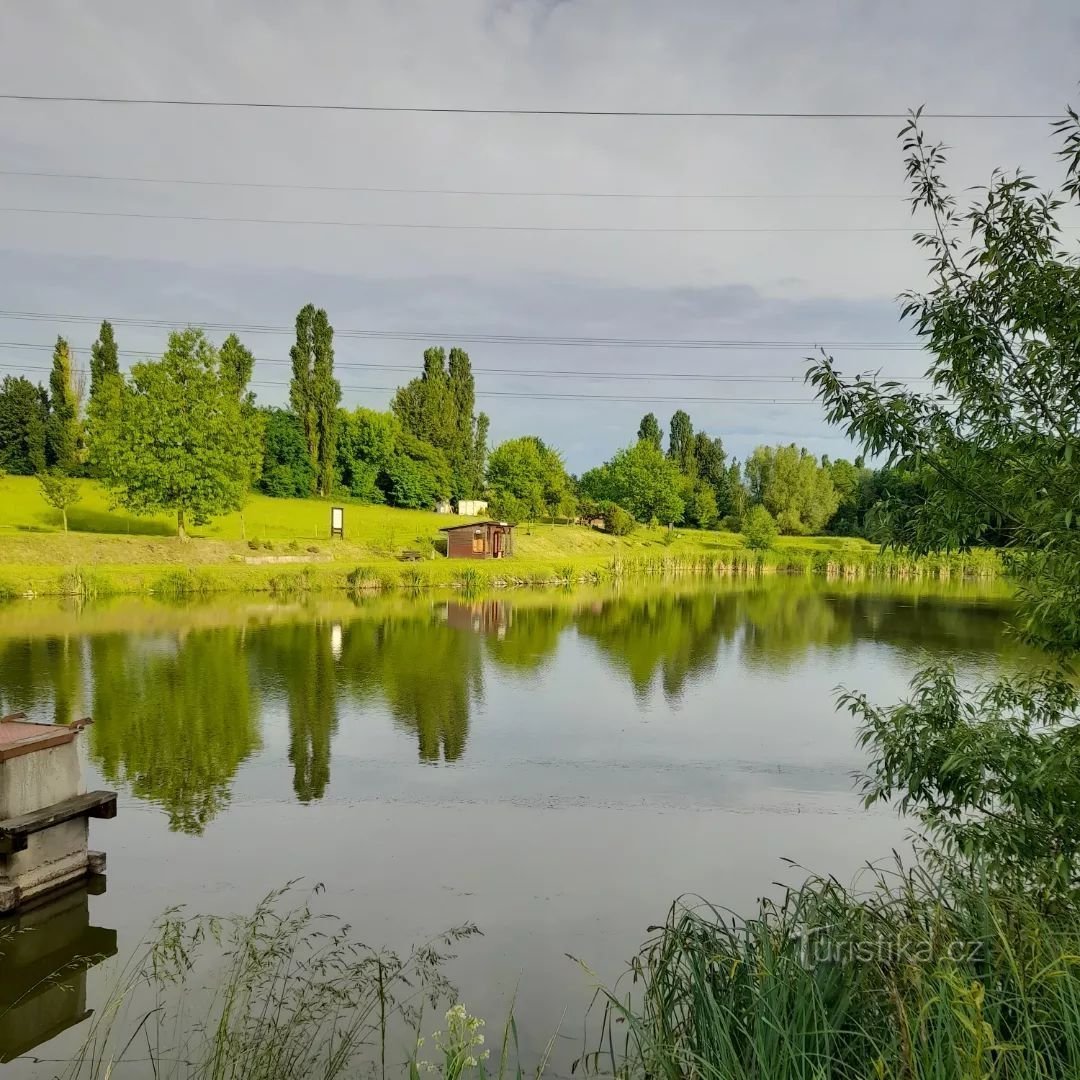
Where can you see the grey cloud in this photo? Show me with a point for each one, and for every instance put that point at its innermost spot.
(632, 53)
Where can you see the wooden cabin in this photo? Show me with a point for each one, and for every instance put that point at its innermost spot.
(479, 540)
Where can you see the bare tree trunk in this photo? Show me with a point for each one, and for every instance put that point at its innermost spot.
(181, 532)
(63, 512)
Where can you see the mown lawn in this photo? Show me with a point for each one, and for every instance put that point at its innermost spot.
(31, 532)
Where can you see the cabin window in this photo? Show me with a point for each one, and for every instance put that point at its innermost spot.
(478, 541)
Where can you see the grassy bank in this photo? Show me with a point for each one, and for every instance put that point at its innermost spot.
(110, 553)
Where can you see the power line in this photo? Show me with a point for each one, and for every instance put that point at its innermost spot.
(533, 396)
(541, 373)
(710, 114)
(559, 340)
(257, 184)
(441, 226)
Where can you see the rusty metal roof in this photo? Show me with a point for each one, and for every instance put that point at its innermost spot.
(476, 525)
(21, 736)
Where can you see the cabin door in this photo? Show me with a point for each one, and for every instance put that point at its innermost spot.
(496, 544)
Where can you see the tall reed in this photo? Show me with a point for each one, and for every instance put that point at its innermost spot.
(908, 981)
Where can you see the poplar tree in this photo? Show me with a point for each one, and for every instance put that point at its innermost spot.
(104, 358)
(62, 428)
(301, 389)
(314, 393)
(681, 442)
(326, 395)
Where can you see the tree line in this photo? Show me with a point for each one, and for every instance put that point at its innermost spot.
(183, 434)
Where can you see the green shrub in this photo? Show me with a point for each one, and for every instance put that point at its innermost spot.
(759, 530)
(617, 521)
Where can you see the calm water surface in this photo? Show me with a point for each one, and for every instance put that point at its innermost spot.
(554, 767)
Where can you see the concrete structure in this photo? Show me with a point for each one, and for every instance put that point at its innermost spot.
(44, 811)
(472, 507)
(480, 540)
(45, 952)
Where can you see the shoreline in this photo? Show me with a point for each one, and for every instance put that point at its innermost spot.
(322, 574)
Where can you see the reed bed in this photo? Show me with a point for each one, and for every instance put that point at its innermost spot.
(910, 981)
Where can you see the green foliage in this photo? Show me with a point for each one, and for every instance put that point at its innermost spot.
(62, 431)
(286, 467)
(174, 436)
(699, 501)
(418, 475)
(237, 364)
(104, 358)
(992, 774)
(437, 408)
(759, 529)
(527, 479)
(24, 411)
(314, 393)
(793, 487)
(649, 430)
(641, 480)
(710, 467)
(681, 442)
(989, 770)
(617, 521)
(60, 491)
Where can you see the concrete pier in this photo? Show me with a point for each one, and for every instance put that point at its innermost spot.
(44, 811)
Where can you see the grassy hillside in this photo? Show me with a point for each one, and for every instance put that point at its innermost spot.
(28, 526)
(110, 551)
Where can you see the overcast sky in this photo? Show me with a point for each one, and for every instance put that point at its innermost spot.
(985, 56)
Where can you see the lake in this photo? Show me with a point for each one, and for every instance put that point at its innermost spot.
(554, 766)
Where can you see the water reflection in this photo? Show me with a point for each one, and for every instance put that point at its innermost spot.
(182, 698)
(299, 662)
(175, 715)
(426, 672)
(45, 953)
(678, 636)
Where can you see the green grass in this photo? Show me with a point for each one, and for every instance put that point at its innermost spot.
(110, 551)
(907, 981)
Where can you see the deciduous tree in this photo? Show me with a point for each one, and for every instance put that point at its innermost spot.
(793, 487)
(286, 467)
(991, 771)
(649, 430)
(60, 491)
(641, 480)
(759, 529)
(173, 436)
(528, 476)
(24, 411)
